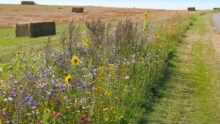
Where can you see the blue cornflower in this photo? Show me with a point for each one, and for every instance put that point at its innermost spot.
(84, 86)
(118, 67)
(57, 52)
(30, 104)
(31, 99)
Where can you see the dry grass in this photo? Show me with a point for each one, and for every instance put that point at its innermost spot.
(62, 15)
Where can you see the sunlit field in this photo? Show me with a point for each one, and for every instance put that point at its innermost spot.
(100, 73)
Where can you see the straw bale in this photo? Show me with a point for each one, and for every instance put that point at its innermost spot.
(191, 9)
(35, 29)
(22, 30)
(78, 9)
(27, 3)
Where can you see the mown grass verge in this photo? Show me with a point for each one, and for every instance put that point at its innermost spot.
(190, 92)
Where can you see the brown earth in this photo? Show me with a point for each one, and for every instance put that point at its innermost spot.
(12, 14)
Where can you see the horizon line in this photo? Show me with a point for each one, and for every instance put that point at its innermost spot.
(105, 6)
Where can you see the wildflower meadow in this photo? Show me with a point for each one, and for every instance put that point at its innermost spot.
(106, 74)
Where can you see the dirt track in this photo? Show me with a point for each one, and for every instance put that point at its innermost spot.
(12, 14)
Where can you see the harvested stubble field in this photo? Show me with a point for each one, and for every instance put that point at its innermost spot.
(62, 15)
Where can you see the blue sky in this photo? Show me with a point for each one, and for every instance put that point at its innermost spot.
(154, 4)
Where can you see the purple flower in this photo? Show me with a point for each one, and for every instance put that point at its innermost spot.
(94, 89)
(28, 98)
(118, 67)
(84, 86)
(30, 104)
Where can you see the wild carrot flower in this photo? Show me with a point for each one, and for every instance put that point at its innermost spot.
(75, 61)
(126, 77)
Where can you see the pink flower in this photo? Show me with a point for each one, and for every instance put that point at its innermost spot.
(85, 119)
(57, 114)
(42, 85)
(4, 115)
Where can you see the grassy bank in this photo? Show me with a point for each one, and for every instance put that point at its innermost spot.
(190, 92)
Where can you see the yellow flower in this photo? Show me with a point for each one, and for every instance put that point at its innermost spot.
(67, 78)
(85, 42)
(46, 110)
(158, 37)
(115, 67)
(108, 93)
(100, 68)
(113, 108)
(10, 110)
(107, 119)
(144, 15)
(4, 109)
(75, 61)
